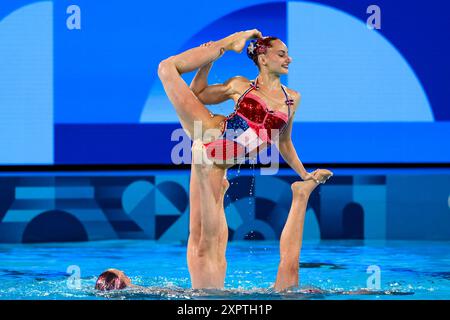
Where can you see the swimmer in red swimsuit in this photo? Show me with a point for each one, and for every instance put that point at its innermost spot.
(261, 105)
(248, 127)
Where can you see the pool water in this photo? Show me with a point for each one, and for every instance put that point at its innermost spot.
(406, 270)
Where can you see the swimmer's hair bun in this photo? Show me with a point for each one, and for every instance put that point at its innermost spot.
(259, 46)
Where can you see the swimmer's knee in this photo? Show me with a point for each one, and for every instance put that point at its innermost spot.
(208, 244)
(165, 68)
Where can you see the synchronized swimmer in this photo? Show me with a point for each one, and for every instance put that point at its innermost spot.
(264, 112)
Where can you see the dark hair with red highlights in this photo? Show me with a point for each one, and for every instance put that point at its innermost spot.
(259, 46)
(109, 280)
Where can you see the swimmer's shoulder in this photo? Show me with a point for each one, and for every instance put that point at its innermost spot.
(238, 85)
(295, 95)
(239, 81)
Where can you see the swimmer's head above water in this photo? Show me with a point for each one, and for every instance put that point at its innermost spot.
(112, 279)
(270, 53)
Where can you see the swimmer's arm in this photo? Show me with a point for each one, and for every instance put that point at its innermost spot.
(289, 154)
(286, 147)
(216, 93)
(200, 81)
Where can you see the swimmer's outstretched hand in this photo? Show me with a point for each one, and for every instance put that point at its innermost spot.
(320, 176)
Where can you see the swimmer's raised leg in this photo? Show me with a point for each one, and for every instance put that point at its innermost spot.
(292, 235)
(186, 104)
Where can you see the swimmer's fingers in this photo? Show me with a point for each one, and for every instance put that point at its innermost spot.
(322, 175)
(317, 176)
(309, 176)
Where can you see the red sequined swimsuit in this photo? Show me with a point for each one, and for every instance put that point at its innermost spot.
(248, 127)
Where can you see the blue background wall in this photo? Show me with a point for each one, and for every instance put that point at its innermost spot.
(155, 205)
(92, 95)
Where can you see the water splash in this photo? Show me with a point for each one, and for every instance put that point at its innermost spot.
(252, 165)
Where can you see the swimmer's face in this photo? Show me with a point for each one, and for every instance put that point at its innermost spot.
(276, 59)
(112, 279)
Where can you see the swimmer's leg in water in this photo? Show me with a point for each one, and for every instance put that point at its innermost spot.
(291, 237)
(208, 227)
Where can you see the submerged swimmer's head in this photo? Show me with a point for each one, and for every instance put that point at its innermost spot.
(112, 279)
(270, 53)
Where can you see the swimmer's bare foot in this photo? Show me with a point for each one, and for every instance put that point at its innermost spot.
(297, 186)
(236, 41)
(303, 189)
(311, 181)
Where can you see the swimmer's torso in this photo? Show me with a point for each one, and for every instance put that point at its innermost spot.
(251, 128)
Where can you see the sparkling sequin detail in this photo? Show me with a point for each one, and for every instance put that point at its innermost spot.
(251, 114)
(236, 122)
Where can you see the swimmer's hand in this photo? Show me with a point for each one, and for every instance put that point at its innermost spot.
(320, 176)
(308, 176)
